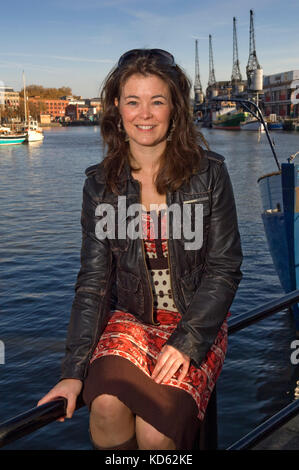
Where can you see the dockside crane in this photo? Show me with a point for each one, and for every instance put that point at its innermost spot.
(212, 80)
(254, 71)
(198, 93)
(236, 77)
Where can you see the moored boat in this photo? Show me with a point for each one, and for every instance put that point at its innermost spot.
(34, 132)
(252, 125)
(280, 200)
(9, 138)
(275, 126)
(229, 121)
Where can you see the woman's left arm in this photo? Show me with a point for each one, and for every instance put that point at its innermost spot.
(210, 304)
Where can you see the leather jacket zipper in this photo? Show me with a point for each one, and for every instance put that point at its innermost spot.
(149, 283)
(170, 275)
(169, 263)
(145, 265)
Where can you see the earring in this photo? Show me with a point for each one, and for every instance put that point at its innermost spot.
(119, 126)
(122, 131)
(169, 137)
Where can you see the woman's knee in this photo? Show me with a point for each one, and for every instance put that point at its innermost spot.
(108, 408)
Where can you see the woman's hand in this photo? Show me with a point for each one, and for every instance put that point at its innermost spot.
(67, 388)
(169, 361)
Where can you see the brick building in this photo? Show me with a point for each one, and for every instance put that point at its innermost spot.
(76, 111)
(56, 108)
(281, 94)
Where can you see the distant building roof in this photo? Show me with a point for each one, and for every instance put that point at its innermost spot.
(282, 77)
(4, 88)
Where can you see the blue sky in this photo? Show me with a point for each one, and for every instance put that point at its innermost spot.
(76, 42)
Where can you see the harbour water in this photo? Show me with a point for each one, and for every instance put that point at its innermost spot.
(40, 200)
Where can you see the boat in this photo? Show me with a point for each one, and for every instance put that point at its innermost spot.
(228, 119)
(280, 200)
(7, 137)
(34, 133)
(252, 124)
(275, 126)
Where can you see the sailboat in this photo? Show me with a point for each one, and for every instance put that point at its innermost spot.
(8, 137)
(34, 133)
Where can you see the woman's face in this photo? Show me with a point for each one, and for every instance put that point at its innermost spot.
(145, 107)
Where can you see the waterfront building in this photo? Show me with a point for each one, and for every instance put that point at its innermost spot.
(281, 94)
(8, 97)
(95, 103)
(45, 119)
(76, 111)
(77, 101)
(56, 108)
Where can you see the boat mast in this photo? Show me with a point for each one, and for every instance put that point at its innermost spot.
(25, 103)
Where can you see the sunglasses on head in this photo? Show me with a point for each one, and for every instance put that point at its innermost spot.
(161, 56)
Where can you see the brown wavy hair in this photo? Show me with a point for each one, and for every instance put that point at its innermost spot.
(183, 152)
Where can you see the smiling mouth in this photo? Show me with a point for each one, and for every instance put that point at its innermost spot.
(145, 128)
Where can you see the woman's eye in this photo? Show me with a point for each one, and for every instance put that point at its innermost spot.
(158, 102)
(132, 103)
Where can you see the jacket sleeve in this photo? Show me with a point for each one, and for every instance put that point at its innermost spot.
(210, 304)
(90, 292)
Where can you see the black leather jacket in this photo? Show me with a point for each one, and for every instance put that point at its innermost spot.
(113, 271)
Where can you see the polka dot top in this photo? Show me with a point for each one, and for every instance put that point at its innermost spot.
(154, 229)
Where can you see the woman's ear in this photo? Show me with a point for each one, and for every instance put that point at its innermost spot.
(116, 102)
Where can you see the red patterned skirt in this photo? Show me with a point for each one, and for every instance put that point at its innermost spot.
(122, 364)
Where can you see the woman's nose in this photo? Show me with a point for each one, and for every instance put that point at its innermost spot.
(145, 111)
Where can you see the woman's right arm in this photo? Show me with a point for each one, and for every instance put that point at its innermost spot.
(88, 304)
(91, 289)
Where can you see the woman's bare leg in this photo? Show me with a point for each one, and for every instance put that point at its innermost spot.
(111, 422)
(149, 438)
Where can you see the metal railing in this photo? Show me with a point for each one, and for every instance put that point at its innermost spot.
(267, 428)
(40, 416)
(275, 422)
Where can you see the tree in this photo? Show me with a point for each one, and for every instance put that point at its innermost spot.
(46, 93)
(35, 109)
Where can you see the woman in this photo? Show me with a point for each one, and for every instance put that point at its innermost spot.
(148, 332)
